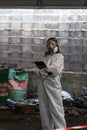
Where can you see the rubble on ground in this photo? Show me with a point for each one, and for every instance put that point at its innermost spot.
(72, 107)
(75, 107)
(27, 106)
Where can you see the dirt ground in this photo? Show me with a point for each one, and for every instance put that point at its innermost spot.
(11, 120)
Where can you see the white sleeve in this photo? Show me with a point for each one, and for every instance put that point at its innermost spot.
(57, 64)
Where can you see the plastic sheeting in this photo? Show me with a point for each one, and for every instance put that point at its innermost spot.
(66, 95)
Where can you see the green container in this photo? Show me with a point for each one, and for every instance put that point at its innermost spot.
(17, 95)
(3, 100)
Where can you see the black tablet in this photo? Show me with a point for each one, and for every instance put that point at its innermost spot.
(40, 64)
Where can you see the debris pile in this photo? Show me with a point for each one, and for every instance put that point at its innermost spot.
(72, 107)
(75, 107)
(27, 106)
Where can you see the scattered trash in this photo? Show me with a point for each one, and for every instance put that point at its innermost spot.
(75, 107)
(66, 95)
(32, 101)
(24, 106)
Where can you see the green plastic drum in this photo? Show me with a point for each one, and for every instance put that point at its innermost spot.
(17, 95)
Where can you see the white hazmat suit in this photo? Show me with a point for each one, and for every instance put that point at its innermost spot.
(49, 93)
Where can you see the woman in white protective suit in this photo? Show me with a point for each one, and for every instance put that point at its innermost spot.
(49, 90)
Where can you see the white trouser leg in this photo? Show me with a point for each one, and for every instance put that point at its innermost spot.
(51, 107)
(55, 105)
(46, 119)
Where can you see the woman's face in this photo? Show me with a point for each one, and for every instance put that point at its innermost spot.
(51, 47)
(51, 43)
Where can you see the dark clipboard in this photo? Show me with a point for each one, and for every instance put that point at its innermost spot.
(40, 64)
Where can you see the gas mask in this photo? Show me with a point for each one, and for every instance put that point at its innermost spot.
(52, 48)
